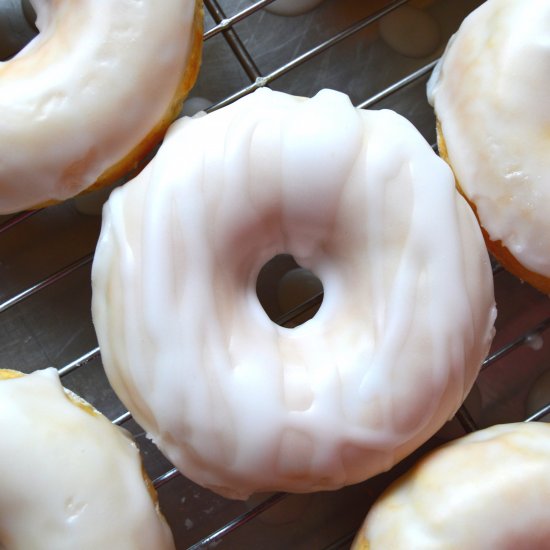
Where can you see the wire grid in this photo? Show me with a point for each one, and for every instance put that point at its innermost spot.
(228, 28)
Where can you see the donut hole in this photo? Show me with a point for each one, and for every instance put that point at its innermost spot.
(30, 14)
(289, 293)
(17, 27)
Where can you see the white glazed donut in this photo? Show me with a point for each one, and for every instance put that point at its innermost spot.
(92, 93)
(70, 479)
(489, 489)
(238, 403)
(490, 94)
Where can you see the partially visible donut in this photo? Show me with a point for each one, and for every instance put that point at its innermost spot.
(489, 489)
(70, 479)
(238, 403)
(92, 93)
(490, 94)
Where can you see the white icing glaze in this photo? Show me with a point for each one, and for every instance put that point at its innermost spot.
(86, 91)
(489, 489)
(238, 403)
(490, 95)
(70, 479)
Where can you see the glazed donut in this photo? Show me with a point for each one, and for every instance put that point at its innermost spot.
(489, 489)
(70, 478)
(238, 403)
(490, 97)
(84, 101)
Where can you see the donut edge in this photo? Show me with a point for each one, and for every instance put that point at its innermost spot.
(496, 248)
(81, 403)
(137, 158)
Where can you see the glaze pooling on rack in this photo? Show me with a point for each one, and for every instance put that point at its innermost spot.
(527, 311)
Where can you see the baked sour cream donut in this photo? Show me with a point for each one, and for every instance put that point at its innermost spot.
(92, 93)
(238, 403)
(487, 490)
(70, 478)
(491, 97)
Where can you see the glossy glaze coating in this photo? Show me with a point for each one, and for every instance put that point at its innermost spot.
(238, 403)
(70, 479)
(489, 489)
(490, 94)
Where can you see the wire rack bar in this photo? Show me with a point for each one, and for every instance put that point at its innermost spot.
(229, 22)
(262, 81)
(57, 276)
(465, 419)
(124, 417)
(239, 521)
(12, 222)
(233, 40)
(81, 361)
(541, 413)
(299, 309)
(166, 477)
(537, 330)
(396, 86)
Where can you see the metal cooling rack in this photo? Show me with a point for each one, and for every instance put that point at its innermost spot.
(45, 259)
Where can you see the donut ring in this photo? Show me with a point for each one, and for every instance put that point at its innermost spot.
(84, 101)
(488, 489)
(492, 124)
(238, 403)
(71, 479)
